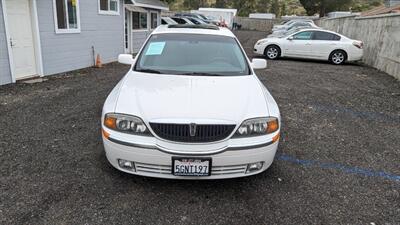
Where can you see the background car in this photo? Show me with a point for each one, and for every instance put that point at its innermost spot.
(311, 44)
(294, 25)
(181, 20)
(167, 21)
(290, 23)
(195, 20)
(281, 33)
(194, 15)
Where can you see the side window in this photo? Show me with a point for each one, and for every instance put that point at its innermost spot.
(139, 21)
(305, 35)
(163, 22)
(66, 16)
(322, 36)
(110, 7)
(325, 36)
(336, 37)
(154, 20)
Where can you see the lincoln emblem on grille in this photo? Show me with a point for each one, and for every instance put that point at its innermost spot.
(192, 129)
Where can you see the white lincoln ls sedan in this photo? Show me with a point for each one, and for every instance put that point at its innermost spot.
(191, 107)
(311, 44)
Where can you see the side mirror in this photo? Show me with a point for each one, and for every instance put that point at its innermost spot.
(259, 64)
(126, 59)
(290, 38)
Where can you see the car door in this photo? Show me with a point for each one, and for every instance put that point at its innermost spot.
(299, 45)
(324, 43)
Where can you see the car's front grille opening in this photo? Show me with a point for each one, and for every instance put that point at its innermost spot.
(215, 170)
(192, 133)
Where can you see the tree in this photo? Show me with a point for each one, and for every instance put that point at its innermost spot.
(220, 3)
(245, 7)
(324, 6)
(275, 7)
(283, 9)
(311, 6)
(168, 1)
(194, 4)
(262, 6)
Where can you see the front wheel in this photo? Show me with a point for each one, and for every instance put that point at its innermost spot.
(338, 57)
(272, 52)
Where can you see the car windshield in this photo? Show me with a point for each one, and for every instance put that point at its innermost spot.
(192, 54)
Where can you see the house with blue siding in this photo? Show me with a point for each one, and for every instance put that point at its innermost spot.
(44, 37)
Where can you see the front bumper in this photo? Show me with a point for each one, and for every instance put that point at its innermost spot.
(259, 49)
(154, 162)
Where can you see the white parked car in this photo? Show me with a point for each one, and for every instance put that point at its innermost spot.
(311, 44)
(191, 107)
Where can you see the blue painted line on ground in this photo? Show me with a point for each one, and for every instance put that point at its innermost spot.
(391, 118)
(337, 166)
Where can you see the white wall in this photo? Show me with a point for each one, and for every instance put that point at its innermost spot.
(5, 73)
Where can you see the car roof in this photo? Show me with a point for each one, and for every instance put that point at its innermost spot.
(320, 29)
(317, 29)
(193, 29)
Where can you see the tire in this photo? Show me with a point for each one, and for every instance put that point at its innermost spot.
(272, 52)
(338, 57)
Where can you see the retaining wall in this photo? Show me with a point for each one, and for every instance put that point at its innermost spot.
(256, 24)
(381, 37)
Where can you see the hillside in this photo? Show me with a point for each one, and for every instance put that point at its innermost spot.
(279, 7)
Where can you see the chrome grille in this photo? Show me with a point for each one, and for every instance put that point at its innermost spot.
(184, 132)
(166, 169)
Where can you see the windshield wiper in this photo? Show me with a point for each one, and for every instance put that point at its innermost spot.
(148, 71)
(201, 74)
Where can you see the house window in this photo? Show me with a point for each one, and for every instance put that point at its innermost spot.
(66, 16)
(109, 7)
(154, 20)
(139, 21)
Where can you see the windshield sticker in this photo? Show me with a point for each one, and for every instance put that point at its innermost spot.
(155, 48)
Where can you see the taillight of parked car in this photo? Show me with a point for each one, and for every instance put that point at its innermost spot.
(358, 44)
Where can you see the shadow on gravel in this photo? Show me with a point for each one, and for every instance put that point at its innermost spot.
(323, 62)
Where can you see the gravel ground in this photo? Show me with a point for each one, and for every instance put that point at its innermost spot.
(338, 161)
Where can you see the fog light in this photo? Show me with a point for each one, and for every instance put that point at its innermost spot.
(252, 167)
(124, 164)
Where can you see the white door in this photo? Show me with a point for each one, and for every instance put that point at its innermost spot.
(300, 45)
(21, 38)
(324, 43)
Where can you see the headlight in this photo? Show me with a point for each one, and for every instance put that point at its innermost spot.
(126, 124)
(261, 42)
(257, 127)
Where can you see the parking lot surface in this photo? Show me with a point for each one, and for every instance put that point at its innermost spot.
(338, 160)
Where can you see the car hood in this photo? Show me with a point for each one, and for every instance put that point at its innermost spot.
(186, 99)
(271, 38)
(278, 26)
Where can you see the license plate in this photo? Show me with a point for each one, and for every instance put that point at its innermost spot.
(191, 166)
